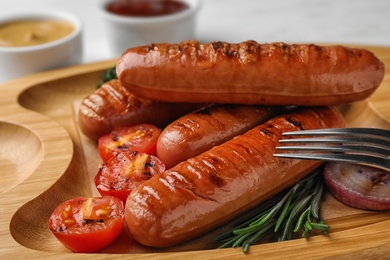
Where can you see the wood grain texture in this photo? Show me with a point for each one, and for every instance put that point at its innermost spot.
(42, 153)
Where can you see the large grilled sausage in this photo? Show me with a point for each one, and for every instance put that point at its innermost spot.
(250, 73)
(214, 187)
(112, 106)
(197, 132)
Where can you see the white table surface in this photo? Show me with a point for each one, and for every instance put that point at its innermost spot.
(314, 21)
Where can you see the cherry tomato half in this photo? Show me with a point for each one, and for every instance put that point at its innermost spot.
(141, 138)
(86, 225)
(122, 173)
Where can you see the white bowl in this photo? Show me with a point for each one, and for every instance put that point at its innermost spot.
(19, 61)
(124, 32)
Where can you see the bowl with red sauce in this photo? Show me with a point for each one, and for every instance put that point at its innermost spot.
(131, 23)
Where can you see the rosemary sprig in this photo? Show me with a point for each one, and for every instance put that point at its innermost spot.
(108, 75)
(298, 209)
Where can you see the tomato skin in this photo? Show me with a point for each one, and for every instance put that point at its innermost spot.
(70, 226)
(139, 137)
(125, 171)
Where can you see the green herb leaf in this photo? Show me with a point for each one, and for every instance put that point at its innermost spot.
(108, 75)
(295, 210)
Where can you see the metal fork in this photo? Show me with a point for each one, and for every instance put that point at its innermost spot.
(366, 146)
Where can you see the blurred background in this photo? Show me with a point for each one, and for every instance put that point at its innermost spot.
(317, 21)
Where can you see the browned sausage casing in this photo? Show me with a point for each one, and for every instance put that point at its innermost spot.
(197, 132)
(112, 105)
(250, 73)
(216, 186)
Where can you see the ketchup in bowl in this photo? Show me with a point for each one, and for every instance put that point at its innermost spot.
(146, 8)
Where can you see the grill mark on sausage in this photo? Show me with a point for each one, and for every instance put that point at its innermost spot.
(150, 47)
(320, 117)
(213, 175)
(246, 149)
(245, 52)
(295, 122)
(209, 165)
(286, 51)
(217, 45)
(251, 51)
(183, 125)
(266, 132)
(204, 169)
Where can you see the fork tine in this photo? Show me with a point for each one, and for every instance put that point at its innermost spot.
(356, 149)
(345, 140)
(380, 163)
(367, 146)
(379, 133)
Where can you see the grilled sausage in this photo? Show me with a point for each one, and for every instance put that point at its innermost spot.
(250, 73)
(216, 186)
(197, 132)
(112, 106)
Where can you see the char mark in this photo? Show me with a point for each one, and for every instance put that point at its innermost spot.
(295, 122)
(217, 45)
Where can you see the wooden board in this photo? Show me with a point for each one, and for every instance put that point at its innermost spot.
(44, 160)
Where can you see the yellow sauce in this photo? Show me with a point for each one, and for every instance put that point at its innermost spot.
(33, 32)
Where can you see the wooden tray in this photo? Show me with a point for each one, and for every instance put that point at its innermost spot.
(44, 160)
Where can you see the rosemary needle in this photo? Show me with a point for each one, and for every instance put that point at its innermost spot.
(298, 208)
(108, 75)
